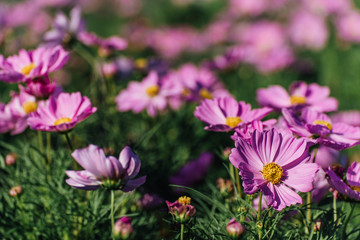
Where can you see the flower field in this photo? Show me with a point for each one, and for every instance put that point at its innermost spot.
(179, 119)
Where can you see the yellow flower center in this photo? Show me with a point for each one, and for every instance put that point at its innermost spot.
(272, 173)
(29, 107)
(205, 94)
(186, 92)
(296, 100)
(62, 120)
(233, 121)
(184, 200)
(355, 188)
(141, 63)
(27, 69)
(324, 123)
(152, 91)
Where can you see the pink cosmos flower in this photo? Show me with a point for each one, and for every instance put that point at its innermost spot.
(31, 64)
(351, 118)
(247, 7)
(40, 87)
(13, 116)
(352, 187)
(123, 228)
(105, 171)
(148, 94)
(317, 127)
(275, 163)
(61, 113)
(348, 26)
(301, 95)
(235, 229)
(225, 114)
(265, 46)
(246, 130)
(308, 30)
(181, 209)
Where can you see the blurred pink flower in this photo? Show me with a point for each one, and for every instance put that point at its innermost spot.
(62, 113)
(123, 228)
(274, 163)
(349, 117)
(237, 8)
(347, 26)
(148, 94)
(308, 30)
(235, 229)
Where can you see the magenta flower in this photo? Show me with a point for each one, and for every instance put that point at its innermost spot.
(275, 163)
(317, 127)
(301, 95)
(225, 114)
(139, 96)
(352, 187)
(321, 186)
(193, 171)
(308, 30)
(347, 26)
(181, 209)
(351, 117)
(246, 130)
(108, 172)
(62, 113)
(31, 64)
(40, 87)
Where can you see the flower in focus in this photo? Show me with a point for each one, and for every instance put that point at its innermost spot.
(147, 94)
(225, 114)
(275, 163)
(301, 95)
(235, 229)
(123, 228)
(15, 191)
(350, 188)
(181, 209)
(40, 87)
(193, 171)
(317, 127)
(108, 172)
(31, 64)
(62, 113)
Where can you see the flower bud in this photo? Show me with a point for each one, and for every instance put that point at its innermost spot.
(227, 152)
(317, 225)
(14, 191)
(123, 228)
(10, 159)
(181, 209)
(235, 229)
(225, 186)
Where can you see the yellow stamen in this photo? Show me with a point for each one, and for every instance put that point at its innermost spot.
(272, 173)
(205, 94)
(297, 100)
(62, 120)
(29, 107)
(233, 121)
(152, 91)
(186, 92)
(141, 63)
(184, 200)
(324, 123)
(27, 69)
(355, 188)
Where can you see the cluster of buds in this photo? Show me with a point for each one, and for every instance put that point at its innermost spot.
(15, 191)
(123, 228)
(181, 209)
(235, 229)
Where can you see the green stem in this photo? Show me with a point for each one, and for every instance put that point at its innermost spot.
(309, 193)
(343, 234)
(238, 186)
(48, 146)
(231, 170)
(112, 213)
(41, 147)
(182, 232)
(335, 213)
(68, 141)
(259, 214)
